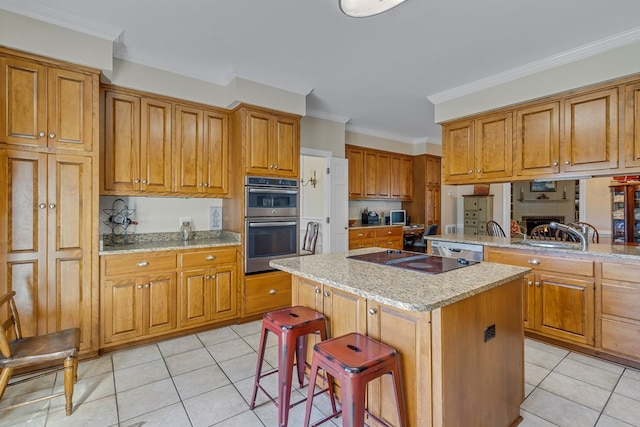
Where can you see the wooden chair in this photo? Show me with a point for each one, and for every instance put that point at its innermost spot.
(494, 229)
(544, 232)
(591, 230)
(21, 352)
(310, 238)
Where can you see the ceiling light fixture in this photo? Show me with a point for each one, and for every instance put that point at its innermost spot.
(365, 8)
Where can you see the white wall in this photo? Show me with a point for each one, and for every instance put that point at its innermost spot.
(161, 214)
(322, 134)
(363, 140)
(597, 201)
(312, 206)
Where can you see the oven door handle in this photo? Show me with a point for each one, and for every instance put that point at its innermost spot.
(272, 190)
(272, 224)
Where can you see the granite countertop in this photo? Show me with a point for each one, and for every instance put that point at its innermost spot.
(227, 239)
(594, 249)
(405, 227)
(397, 287)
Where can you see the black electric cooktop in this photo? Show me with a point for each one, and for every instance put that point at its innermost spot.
(430, 264)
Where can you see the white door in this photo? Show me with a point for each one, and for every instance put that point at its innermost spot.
(338, 201)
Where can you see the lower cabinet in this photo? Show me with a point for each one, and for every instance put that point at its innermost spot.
(146, 295)
(558, 294)
(385, 237)
(138, 297)
(208, 288)
(265, 292)
(619, 314)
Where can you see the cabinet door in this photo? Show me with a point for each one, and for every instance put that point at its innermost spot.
(433, 174)
(155, 145)
(189, 148)
(160, 298)
(70, 217)
(23, 226)
(195, 297)
(123, 308)
(70, 109)
(258, 134)
(345, 312)
(591, 131)
(458, 152)
(537, 140)
(409, 334)
(383, 175)
(632, 126)
(121, 150)
(432, 208)
(215, 161)
(23, 102)
(493, 146)
(370, 171)
(355, 157)
(401, 178)
(224, 301)
(285, 149)
(565, 307)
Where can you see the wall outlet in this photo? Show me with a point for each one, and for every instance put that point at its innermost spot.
(490, 333)
(184, 219)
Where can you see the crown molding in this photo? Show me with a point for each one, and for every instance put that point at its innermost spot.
(328, 116)
(62, 19)
(385, 135)
(563, 58)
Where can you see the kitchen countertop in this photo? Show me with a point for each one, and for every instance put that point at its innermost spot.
(594, 249)
(405, 227)
(228, 239)
(396, 287)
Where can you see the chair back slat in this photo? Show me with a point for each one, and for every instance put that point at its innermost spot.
(10, 326)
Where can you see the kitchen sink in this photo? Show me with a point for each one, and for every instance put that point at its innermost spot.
(549, 244)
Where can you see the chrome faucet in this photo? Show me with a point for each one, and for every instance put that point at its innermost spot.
(581, 235)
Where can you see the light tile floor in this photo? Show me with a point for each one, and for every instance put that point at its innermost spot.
(206, 379)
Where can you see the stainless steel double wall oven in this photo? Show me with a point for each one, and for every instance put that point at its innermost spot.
(271, 221)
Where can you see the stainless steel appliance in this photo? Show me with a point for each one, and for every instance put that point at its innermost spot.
(271, 221)
(457, 250)
(414, 261)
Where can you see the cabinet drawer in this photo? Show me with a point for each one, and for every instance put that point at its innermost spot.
(470, 223)
(362, 233)
(392, 243)
(623, 272)
(136, 264)
(382, 233)
(621, 338)
(581, 267)
(621, 300)
(266, 292)
(209, 257)
(362, 243)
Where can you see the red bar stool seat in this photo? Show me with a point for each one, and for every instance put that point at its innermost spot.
(291, 325)
(354, 359)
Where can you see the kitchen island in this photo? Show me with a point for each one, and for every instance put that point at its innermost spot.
(459, 333)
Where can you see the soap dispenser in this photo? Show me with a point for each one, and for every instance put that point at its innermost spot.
(186, 231)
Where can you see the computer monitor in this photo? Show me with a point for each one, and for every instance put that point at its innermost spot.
(398, 217)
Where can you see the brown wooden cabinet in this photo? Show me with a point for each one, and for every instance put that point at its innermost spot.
(46, 220)
(559, 294)
(208, 289)
(265, 292)
(46, 105)
(458, 145)
(271, 142)
(386, 237)
(138, 294)
(425, 206)
(537, 140)
(202, 151)
(379, 175)
(632, 126)
(137, 147)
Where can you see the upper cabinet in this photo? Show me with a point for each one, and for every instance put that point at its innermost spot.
(157, 146)
(573, 134)
(271, 142)
(378, 175)
(46, 106)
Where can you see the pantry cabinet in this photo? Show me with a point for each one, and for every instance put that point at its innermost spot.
(137, 147)
(271, 142)
(46, 220)
(424, 208)
(201, 151)
(44, 105)
(559, 294)
(208, 290)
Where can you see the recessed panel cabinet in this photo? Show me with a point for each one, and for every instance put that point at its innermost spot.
(379, 175)
(46, 219)
(46, 106)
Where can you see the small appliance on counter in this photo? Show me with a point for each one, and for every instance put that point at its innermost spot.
(370, 217)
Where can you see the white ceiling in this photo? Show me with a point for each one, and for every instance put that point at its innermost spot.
(374, 72)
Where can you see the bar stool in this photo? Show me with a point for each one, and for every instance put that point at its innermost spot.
(354, 359)
(291, 325)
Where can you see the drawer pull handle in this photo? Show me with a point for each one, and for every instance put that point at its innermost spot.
(273, 292)
(143, 263)
(372, 311)
(210, 257)
(534, 261)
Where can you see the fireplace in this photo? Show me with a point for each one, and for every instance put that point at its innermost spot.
(532, 221)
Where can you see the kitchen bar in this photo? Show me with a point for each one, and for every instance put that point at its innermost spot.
(443, 325)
